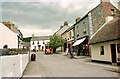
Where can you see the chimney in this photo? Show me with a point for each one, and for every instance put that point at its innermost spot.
(105, 1)
(109, 18)
(7, 24)
(65, 23)
(77, 19)
(33, 35)
(61, 27)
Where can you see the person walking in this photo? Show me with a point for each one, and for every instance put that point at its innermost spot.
(75, 52)
(71, 52)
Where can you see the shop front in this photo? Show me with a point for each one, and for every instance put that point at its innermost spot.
(82, 46)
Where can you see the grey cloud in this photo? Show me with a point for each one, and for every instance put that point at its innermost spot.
(40, 15)
(44, 15)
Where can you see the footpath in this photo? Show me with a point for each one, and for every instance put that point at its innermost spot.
(109, 67)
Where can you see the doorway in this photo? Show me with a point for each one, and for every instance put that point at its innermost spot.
(113, 53)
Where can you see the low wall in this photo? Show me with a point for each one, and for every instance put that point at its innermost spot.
(13, 65)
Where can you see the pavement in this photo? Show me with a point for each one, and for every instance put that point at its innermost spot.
(109, 67)
(59, 65)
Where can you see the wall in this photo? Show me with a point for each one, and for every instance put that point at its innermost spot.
(99, 14)
(71, 36)
(0, 64)
(64, 35)
(81, 27)
(7, 37)
(95, 49)
(13, 66)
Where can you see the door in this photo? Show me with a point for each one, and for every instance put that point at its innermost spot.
(113, 53)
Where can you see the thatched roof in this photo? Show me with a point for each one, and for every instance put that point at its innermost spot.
(109, 32)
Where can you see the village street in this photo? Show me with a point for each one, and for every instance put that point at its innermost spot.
(58, 65)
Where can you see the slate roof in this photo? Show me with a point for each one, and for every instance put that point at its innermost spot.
(36, 38)
(109, 32)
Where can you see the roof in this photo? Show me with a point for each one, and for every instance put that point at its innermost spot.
(86, 15)
(62, 30)
(36, 38)
(70, 28)
(108, 32)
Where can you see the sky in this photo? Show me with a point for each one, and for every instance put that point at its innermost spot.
(44, 17)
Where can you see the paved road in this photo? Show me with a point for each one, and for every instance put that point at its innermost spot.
(57, 65)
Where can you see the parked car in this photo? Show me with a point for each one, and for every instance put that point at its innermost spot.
(48, 51)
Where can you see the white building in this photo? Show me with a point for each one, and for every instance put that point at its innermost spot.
(39, 42)
(105, 43)
(7, 37)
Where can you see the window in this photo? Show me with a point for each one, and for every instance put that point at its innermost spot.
(84, 31)
(112, 12)
(118, 48)
(70, 35)
(102, 50)
(77, 31)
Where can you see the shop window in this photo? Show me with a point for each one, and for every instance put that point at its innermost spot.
(102, 50)
(118, 48)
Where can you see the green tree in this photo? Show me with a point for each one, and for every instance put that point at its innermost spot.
(27, 39)
(55, 42)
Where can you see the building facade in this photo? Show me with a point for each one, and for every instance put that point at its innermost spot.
(99, 14)
(14, 28)
(38, 43)
(62, 32)
(8, 37)
(90, 23)
(105, 43)
(68, 35)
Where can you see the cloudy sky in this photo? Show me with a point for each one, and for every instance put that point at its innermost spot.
(44, 17)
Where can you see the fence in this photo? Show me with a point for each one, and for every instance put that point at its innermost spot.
(13, 65)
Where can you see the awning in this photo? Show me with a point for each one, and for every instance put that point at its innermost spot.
(78, 41)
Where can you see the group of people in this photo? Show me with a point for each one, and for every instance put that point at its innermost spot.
(72, 51)
(5, 50)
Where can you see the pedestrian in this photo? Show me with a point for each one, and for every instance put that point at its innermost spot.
(5, 50)
(66, 52)
(75, 52)
(71, 52)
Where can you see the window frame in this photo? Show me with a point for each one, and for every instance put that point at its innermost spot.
(102, 50)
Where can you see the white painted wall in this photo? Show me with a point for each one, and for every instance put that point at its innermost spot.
(40, 43)
(95, 50)
(13, 66)
(7, 37)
